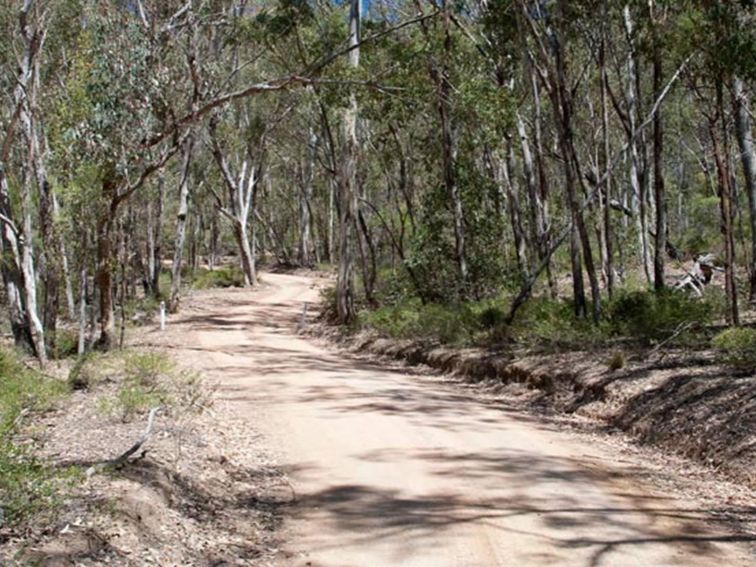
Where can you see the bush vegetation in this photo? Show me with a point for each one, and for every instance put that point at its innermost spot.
(737, 346)
(641, 316)
(223, 276)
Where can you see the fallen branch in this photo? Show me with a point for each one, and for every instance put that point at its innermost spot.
(680, 329)
(121, 459)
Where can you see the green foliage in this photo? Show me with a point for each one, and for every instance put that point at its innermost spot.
(22, 391)
(432, 255)
(552, 324)
(454, 324)
(543, 323)
(737, 346)
(27, 486)
(648, 316)
(225, 276)
(145, 380)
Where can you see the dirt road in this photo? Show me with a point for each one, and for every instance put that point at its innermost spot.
(394, 470)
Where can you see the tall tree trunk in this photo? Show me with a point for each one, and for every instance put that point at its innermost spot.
(449, 148)
(563, 111)
(305, 196)
(156, 249)
(212, 255)
(660, 238)
(331, 241)
(605, 165)
(744, 134)
(67, 277)
(720, 144)
(181, 218)
(535, 205)
(637, 167)
(543, 182)
(82, 346)
(30, 277)
(104, 275)
(510, 195)
(348, 184)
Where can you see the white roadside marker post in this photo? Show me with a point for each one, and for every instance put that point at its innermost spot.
(162, 315)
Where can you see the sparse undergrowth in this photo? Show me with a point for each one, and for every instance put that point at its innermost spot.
(126, 385)
(28, 487)
(141, 380)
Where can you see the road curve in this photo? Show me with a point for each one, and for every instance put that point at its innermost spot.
(393, 470)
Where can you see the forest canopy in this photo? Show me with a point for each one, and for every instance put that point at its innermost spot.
(436, 153)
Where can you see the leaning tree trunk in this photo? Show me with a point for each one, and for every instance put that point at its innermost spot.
(11, 270)
(744, 133)
(30, 277)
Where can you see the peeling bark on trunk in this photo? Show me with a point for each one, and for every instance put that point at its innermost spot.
(744, 133)
(30, 278)
(11, 270)
(637, 173)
